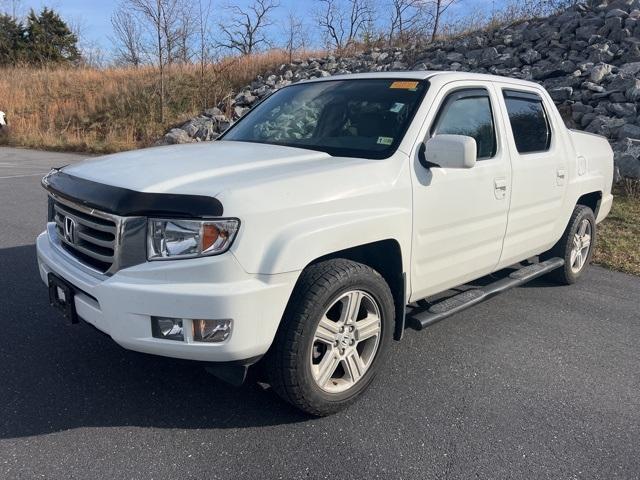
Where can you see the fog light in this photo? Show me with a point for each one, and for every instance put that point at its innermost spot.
(211, 330)
(167, 328)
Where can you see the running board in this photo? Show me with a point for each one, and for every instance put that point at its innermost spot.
(452, 305)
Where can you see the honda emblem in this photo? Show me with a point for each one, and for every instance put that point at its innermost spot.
(70, 230)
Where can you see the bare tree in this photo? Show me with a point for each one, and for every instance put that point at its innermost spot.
(406, 16)
(91, 53)
(153, 12)
(439, 7)
(185, 30)
(178, 28)
(245, 31)
(12, 7)
(158, 31)
(127, 37)
(371, 32)
(203, 14)
(342, 21)
(296, 37)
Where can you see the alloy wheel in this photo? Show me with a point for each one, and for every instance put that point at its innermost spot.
(346, 341)
(581, 246)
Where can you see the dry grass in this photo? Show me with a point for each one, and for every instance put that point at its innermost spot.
(618, 243)
(116, 108)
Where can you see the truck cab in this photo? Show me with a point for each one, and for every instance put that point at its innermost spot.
(300, 236)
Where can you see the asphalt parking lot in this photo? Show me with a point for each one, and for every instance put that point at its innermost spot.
(540, 382)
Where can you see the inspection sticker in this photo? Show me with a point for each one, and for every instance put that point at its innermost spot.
(385, 140)
(396, 107)
(404, 85)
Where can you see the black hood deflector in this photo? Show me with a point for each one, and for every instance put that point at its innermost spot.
(129, 203)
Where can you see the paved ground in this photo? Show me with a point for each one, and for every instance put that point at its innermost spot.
(541, 382)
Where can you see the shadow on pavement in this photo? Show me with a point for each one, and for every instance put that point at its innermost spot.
(56, 376)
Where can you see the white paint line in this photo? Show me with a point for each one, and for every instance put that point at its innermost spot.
(19, 166)
(26, 175)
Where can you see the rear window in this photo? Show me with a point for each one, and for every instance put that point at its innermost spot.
(529, 122)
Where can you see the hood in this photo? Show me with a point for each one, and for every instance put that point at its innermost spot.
(247, 178)
(197, 169)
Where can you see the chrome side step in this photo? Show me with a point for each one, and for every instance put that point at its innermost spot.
(422, 318)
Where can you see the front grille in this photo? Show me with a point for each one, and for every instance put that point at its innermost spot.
(88, 235)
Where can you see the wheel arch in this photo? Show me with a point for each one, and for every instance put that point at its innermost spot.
(591, 200)
(385, 257)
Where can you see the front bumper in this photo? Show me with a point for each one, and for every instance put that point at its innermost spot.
(204, 288)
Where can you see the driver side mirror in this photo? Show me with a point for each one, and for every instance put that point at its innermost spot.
(449, 151)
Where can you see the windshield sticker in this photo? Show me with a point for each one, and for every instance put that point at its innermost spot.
(385, 140)
(405, 85)
(396, 107)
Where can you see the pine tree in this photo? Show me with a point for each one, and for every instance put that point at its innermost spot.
(49, 39)
(12, 40)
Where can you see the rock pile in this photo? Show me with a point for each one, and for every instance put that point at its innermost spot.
(588, 58)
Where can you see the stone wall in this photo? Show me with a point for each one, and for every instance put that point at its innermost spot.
(587, 57)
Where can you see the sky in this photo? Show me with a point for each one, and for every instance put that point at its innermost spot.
(94, 15)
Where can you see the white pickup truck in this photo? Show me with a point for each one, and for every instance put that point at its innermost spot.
(324, 222)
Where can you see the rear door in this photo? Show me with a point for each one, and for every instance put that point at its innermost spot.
(460, 215)
(539, 176)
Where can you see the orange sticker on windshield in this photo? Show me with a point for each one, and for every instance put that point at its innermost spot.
(404, 85)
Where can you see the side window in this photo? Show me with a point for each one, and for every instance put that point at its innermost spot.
(529, 122)
(468, 112)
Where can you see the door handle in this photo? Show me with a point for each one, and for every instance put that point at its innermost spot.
(561, 173)
(500, 188)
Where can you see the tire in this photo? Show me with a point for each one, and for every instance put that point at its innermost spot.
(572, 238)
(303, 351)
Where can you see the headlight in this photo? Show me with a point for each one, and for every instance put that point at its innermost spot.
(169, 239)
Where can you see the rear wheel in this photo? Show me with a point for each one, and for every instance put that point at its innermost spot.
(575, 246)
(334, 336)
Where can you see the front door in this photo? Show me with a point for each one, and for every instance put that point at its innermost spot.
(460, 215)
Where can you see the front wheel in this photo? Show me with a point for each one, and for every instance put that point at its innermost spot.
(575, 246)
(333, 337)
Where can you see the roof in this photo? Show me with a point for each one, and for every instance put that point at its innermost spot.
(425, 75)
(410, 74)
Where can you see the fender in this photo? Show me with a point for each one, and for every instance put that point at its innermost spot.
(298, 244)
(591, 171)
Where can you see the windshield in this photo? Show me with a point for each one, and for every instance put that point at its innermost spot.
(350, 118)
